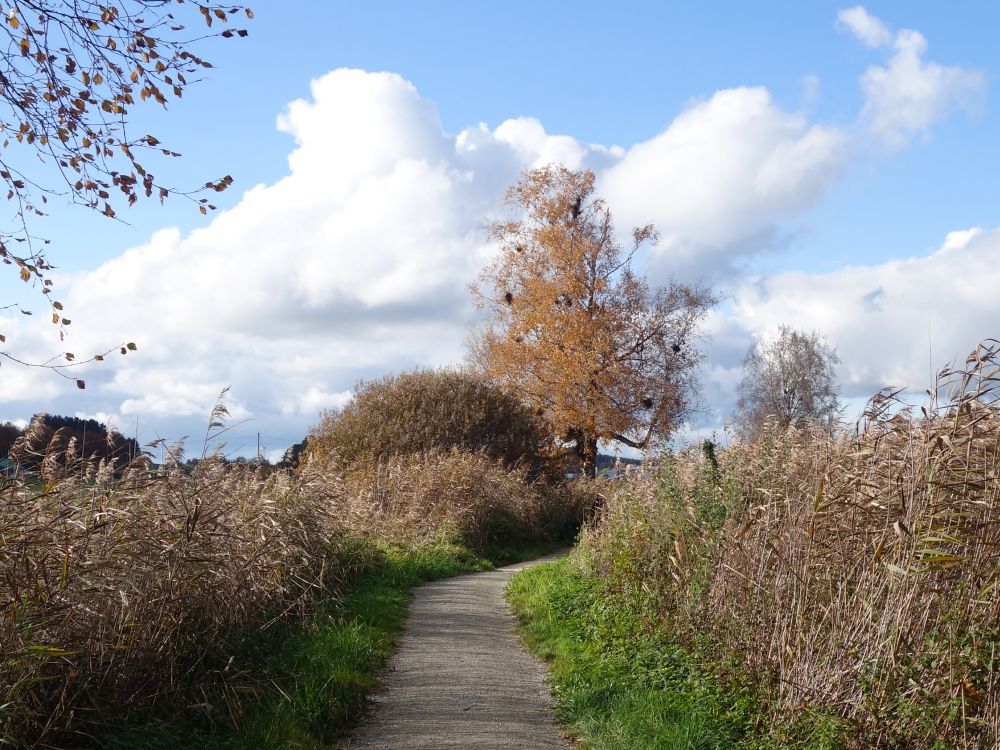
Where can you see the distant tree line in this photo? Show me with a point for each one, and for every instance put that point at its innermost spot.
(47, 432)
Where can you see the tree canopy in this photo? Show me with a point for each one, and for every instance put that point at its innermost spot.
(789, 378)
(70, 73)
(574, 331)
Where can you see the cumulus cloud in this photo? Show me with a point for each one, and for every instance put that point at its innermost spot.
(909, 94)
(108, 420)
(356, 262)
(721, 177)
(315, 400)
(894, 323)
(880, 316)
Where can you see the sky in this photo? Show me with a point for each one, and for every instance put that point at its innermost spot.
(823, 165)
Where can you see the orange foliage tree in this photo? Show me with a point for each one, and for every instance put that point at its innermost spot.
(575, 331)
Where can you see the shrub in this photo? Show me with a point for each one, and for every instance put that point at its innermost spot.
(432, 410)
(466, 495)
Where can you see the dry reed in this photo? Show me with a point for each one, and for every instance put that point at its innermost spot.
(114, 589)
(471, 496)
(853, 577)
(120, 589)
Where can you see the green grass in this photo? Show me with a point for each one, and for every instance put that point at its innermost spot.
(618, 682)
(305, 686)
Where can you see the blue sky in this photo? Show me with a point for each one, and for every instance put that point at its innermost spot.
(875, 176)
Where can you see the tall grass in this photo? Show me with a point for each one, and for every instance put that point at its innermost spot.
(853, 579)
(114, 589)
(127, 589)
(470, 495)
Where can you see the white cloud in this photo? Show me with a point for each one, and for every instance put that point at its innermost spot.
(356, 263)
(908, 95)
(274, 456)
(527, 138)
(108, 420)
(864, 26)
(718, 181)
(879, 317)
(315, 400)
(893, 324)
(21, 382)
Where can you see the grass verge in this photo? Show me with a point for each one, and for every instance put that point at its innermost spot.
(618, 682)
(305, 686)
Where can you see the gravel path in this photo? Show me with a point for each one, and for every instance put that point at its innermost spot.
(460, 678)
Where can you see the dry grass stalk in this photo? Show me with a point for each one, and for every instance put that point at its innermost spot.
(855, 575)
(114, 588)
(118, 587)
(470, 495)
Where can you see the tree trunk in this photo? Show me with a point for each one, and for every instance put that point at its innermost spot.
(586, 449)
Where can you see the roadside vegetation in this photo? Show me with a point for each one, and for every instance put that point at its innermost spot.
(808, 586)
(840, 590)
(304, 683)
(619, 678)
(251, 608)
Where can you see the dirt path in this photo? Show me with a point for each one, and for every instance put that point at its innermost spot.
(461, 678)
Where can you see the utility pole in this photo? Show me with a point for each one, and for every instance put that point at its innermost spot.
(258, 447)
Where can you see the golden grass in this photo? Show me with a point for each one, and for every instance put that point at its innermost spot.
(853, 575)
(118, 590)
(473, 496)
(114, 589)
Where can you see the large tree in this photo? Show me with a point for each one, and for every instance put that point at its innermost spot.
(70, 73)
(789, 378)
(575, 332)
